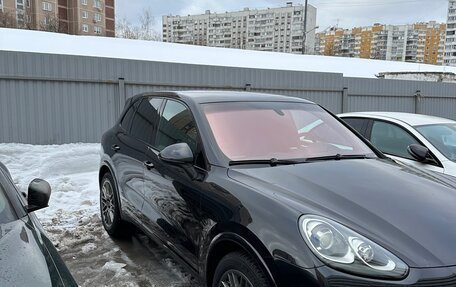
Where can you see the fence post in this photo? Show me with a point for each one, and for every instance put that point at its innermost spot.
(344, 100)
(418, 98)
(121, 96)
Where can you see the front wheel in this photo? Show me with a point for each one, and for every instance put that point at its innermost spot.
(110, 210)
(237, 269)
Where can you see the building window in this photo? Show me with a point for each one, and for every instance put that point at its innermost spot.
(97, 30)
(97, 4)
(85, 14)
(46, 20)
(28, 18)
(97, 17)
(84, 2)
(20, 4)
(28, 3)
(47, 6)
(85, 28)
(1, 5)
(20, 16)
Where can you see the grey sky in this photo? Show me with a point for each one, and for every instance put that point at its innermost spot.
(347, 13)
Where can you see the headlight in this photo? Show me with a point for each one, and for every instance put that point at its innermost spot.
(344, 249)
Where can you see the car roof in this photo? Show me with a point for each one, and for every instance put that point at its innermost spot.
(408, 118)
(225, 96)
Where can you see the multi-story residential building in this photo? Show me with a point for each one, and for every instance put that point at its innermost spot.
(77, 17)
(330, 43)
(450, 42)
(426, 43)
(420, 42)
(273, 29)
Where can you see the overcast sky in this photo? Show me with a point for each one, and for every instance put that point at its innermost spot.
(345, 13)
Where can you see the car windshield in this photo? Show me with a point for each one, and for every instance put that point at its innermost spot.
(442, 137)
(6, 211)
(279, 130)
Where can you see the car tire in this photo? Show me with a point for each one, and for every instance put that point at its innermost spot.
(239, 266)
(110, 210)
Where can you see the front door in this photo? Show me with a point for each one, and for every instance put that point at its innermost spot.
(172, 198)
(393, 140)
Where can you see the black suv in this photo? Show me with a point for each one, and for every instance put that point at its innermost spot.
(263, 190)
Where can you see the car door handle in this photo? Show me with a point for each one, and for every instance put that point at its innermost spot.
(149, 165)
(115, 147)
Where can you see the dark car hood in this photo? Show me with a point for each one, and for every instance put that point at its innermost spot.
(23, 259)
(408, 211)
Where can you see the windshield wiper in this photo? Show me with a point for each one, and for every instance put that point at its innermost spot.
(339, 157)
(271, 162)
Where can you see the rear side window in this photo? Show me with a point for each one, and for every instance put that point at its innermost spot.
(145, 121)
(359, 124)
(392, 139)
(176, 126)
(128, 118)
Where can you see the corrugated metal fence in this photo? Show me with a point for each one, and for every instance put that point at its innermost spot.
(54, 99)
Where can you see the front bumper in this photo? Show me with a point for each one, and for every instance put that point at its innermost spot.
(292, 276)
(426, 277)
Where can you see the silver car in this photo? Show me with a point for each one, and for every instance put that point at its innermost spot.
(419, 140)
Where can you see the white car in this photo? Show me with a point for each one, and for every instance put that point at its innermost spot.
(422, 141)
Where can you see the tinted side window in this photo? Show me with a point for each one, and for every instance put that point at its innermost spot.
(360, 125)
(128, 118)
(6, 211)
(176, 126)
(145, 121)
(392, 139)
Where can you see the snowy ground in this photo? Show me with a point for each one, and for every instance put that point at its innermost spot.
(72, 220)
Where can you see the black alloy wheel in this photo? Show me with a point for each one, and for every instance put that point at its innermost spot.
(109, 209)
(237, 269)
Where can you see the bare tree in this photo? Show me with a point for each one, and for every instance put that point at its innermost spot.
(124, 29)
(22, 19)
(145, 30)
(7, 20)
(50, 23)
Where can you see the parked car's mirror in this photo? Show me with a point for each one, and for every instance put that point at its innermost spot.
(179, 153)
(419, 152)
(39, 192)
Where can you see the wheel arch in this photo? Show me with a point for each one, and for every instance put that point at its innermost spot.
(236, 237)
(105, 167)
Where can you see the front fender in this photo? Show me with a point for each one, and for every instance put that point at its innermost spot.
(242, 238)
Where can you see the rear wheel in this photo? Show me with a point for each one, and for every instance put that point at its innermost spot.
(110, 210)
(237, 269)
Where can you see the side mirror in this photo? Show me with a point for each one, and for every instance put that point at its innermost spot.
(419, 152)
(179, 153)
(39, 192)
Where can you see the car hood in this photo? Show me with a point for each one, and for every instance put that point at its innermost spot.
(450, 167)
(408, 211)
(24, 260)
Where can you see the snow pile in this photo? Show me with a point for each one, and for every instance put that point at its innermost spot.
(53, 43)
(72, 220)
(71, 170)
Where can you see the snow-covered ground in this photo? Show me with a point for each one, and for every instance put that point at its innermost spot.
(72, 219)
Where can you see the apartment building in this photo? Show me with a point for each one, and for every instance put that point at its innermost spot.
(450, 42)
(76, 17)
(272, 29)
(426, 43)
(420, 42)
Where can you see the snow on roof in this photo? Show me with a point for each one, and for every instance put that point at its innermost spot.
(53, 43)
